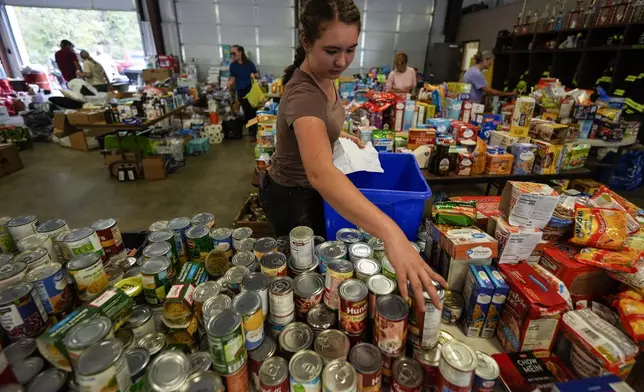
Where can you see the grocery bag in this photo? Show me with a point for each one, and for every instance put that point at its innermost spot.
(255, 97)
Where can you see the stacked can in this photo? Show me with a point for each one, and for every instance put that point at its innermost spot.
(273, 264)
(348, 236)
(223, 235)
(52, 228)
(110, 236)
(390, 330)
(257, 282)
(353, 309)
(198, 242)
(22, 226)
(308, 289)
(249, 306)
(204, 219)
(273, 375)
(425, 325)
(338, 271)
(167, 235)
(7, 244)
(180, 226)
(302, 246)
(294, 338)
(228, 350)
(257, 358)
(305, 370)
(330, 250)
(80, 241)
(282, 303)
(263, 246)
(367, 361)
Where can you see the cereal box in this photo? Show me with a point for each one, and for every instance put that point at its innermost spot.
(532, 310)
(575, 156)
(501, 290)
(586, 185)
(528, 204)
(521, 116)
(550, 132)
(548, 157)
(477, 292)
(523, 158)
(489, 123)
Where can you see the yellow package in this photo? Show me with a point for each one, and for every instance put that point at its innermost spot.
(480, 157)
(600, 228)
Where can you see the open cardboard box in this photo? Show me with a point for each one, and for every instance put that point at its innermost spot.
(9, 159)
(260, 229)
(85, 117)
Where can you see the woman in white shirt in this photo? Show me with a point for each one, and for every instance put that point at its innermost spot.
(94, 73)
(402, 79)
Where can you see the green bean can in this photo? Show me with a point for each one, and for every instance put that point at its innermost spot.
(226, 338)
(7, 245)
(156, 280)
(199, 243)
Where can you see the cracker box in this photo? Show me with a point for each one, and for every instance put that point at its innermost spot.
(499, 164)
(584, 282)
(516, 243)
(528, 204)
(606, 383)
(548, 157)
(575, 156)
(584, 112)
(421, 137)
(477, 292)
(464, 243)
(532, 310)
(523, 158)
(486, 207)
(521, 116)
(501, 290)
(550, 132)
(477, 113)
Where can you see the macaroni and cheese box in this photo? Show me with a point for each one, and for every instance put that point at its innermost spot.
(532, 310)
(477, 292)
(501, 290)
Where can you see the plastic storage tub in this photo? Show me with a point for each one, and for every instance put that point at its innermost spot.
(399, 192)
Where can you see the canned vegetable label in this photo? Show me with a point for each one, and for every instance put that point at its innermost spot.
(249, 306)
(21, 312)
(226, 338)
(90, 281)
(52, 288)
(199, 243)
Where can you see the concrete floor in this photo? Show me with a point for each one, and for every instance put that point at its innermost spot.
(58, 182)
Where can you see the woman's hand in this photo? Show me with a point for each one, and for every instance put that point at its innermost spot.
(354, 139)
(411, 267)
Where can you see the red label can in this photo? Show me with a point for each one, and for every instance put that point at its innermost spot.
(387, 366)
(390, 334)
(308, 289)
(238, 381)
(273, 375)
(428, 360)
(353, 306)
(407, 375)
(110, 236)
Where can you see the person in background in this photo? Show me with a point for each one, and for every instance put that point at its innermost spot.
(402, 79)
(241, 72)
(309, 122)
(94, 73)
(475, 77)
(67, 60)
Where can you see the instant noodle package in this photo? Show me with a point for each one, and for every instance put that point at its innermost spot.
(600, 228)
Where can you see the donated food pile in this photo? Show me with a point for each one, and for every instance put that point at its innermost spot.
(556, 278)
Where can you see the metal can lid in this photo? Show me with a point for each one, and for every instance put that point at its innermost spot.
(33, 241)
(51, 225)
(98, 357)
(381, 285)
(348, 235)
(256, 281)
(203, 382)
(168, 371)
(215, 305)
(265, 350)
(155, 265)
(453, 299)
(273, 260)
(376, 244)
(19, 350)
(125, 263)
(87, 333)
(332, 344)
(51, 380)
(444, 336)
(206, 290)
(339, 375)
(281, 285)
(339, 265)
(365, 358)
(138, 359)
(5, 258)
(200, 361)
(305, 366)
(157, 249)
(301, 233)
(158, 225)
(392, 307)
(203, 218)
(126, 337)
(360, 250)
(367, 267)
(179, 223)
(140, 315)
(428, 357)
(247, 303)
(320, 317)
(386, 264)
(273, 371)
(26, 370)
(223, 323)
(439, 291)
(114, 274)
(265, 244)
(161, 236)
(21, 220)
(31, 255)
(408, 372)
(153, 342)
(308, 284)
(246, 245)
(79, 234)
(236, 274)
(83, 261)
(332, 250)
(283, 240)
(242, 232)
(296, 336)
(486, 367)
(244, 259)
(42, 272)
(318, 239)
(353, 290)
(102, 224)
(197, 231)
(459, 356)
(13, 292)
(221, 233)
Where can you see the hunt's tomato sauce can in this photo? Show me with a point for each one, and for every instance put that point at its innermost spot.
(353, 306)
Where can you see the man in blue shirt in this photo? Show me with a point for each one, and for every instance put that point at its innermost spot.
(241, 72)
(475, 77)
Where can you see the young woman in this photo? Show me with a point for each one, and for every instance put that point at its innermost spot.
(402, 79)
(309, 123)
(241, 72)
(94, 73)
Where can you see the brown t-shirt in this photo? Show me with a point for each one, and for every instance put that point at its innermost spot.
(302, 97)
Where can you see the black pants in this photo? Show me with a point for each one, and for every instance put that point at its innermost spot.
(249, 111)
(101, 88)
(289, 206)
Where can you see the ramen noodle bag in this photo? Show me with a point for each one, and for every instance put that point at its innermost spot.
(455, 213)
(600, 228)
(633, 280)
(623, 261)
(606, 198)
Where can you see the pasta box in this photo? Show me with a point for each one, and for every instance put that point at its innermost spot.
(525, 372)
(464, 243)
(583, 281)
(477, 292)
(606, 383)
(501, 290)
(532, 310)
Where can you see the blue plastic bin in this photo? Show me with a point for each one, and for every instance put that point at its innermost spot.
(399, 192)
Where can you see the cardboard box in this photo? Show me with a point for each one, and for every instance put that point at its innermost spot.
(75, 141)
(605, 383)
(260, 229)
(501, 291)
(499, 164)
(528, 204)
(477, 294)
(453, 270)
(524, 372)
(521, 116)
(420, 137)
(548, 158)
(585, 185)
(584, 282)
(62, 127)
(151, 75)
(532, 310)
(86, 117)
(9, 159)
(550, 132)
(464, 243)
(130, 156)
(516, 243)
(154, 168)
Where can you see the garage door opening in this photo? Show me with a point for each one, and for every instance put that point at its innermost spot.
(113, 39)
